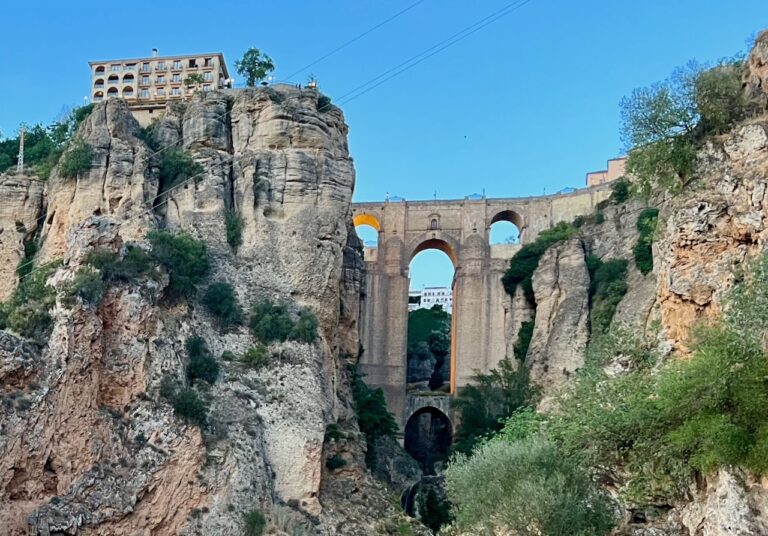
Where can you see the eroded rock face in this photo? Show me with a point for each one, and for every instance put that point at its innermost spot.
(756, 74)
(120, 184)
(560, 333)
(710, 232)
(19, 220)
(731, 504)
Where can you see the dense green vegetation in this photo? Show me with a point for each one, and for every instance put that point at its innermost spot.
(185, 259)
(200, 363)
(254, 523)
(525, 261)
(176, 166)
(135, 265)
(527, 488)
(664, 124)
(77, 159)
(271, 322)
(429, 337)
(255, 356)
(651, 430)
(255, 66)
(607, 286)
(643, 250)
(373, 417)
(43, 146)
(188, 405)
(323, 103)
(524, 336)
(88, 286)
(335, 462)
(221, 302)
(27, 312)
(490, 398)
(234, 223)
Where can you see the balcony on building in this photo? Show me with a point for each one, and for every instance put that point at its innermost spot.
(99, 84)
(176, 66)
(161, 67)
(113, 80)
(112, 92)
(98, 96)
(100, 69)
(128, 92)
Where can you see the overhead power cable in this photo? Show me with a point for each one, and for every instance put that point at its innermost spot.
(347, 97)
(431, 51)
(355, 39)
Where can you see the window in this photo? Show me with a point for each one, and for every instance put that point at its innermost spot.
(145, 80)
(206, 87)
(176, 78)
(193, 63)
(434, 224)
(99, 83)
(145, 68)
(100, 69)
(208, 62)
(114, 67)
(161, 66)
(176, 65)
(144, 94)
(176, 91)
(208, 76)
(161, 91)
(160, 80)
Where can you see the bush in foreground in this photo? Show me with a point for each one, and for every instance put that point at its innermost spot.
(528, 488)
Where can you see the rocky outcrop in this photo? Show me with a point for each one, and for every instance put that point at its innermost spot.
(756, 74)
(560, 333)
(90, 446)
(20, 218)
(711, 231)
(121, 182)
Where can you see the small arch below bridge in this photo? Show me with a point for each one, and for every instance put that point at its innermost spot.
(428, 432)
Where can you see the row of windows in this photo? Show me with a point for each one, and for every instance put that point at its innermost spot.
(145, 93)
(146, 80)
(191, 63)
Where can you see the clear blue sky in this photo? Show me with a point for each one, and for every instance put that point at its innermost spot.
(528, 104)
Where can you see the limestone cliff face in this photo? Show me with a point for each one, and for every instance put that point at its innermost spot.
(87, 445)
(712, 230)
(19, 221)
(560, 332)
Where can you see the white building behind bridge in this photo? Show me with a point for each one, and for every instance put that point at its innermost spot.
(428, 297)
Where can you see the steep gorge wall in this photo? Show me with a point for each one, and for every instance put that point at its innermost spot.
(94, 449)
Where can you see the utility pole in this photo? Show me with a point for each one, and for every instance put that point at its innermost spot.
(20, 162)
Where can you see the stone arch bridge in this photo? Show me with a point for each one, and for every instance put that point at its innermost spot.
(481, 308)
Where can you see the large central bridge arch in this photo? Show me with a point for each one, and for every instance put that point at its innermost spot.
(482, 312)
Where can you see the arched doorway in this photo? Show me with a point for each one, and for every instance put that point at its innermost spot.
(428, 437)
(430, 308)
(505, 228)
